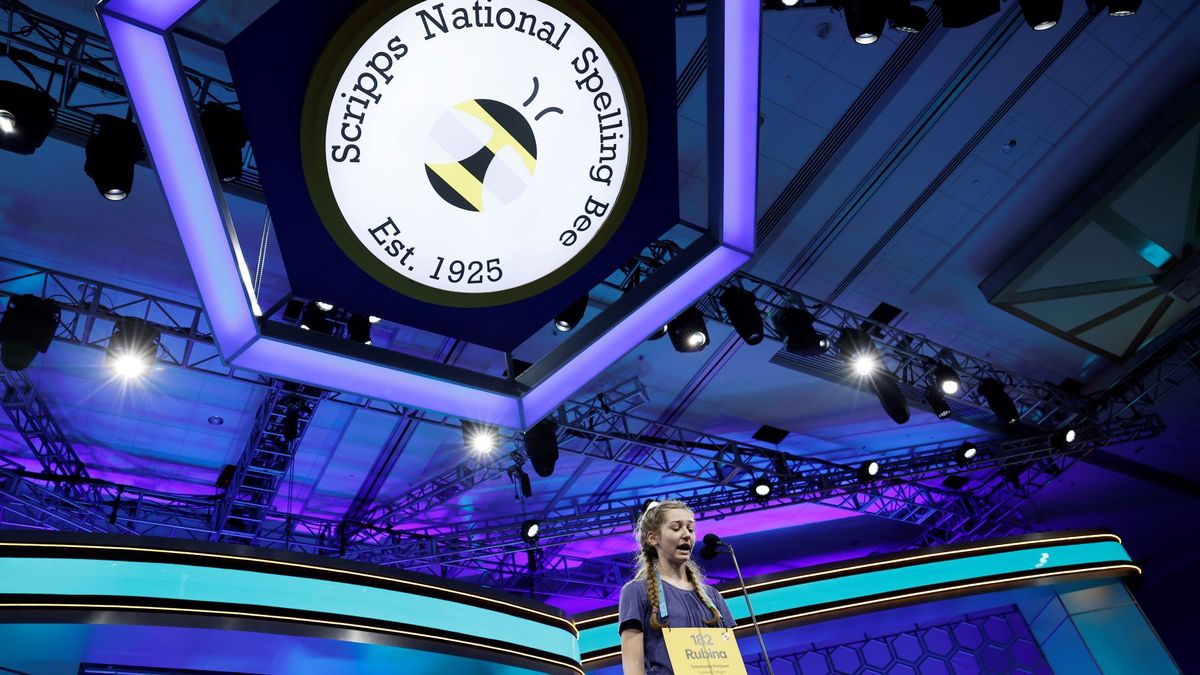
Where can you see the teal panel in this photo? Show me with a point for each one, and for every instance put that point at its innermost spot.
(846, 588)
(1121, 641)
(1099, 596)
(53, 576)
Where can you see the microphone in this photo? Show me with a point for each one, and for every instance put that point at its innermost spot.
(711, 543)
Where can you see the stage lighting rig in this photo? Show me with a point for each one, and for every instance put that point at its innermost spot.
(26, 117)
(26, 330)
(112, 151)
(530, 530)
(966, 453)
(796, 326)
(572, 316)
(1042, 14)
(541, 446)
(868, 471)
(132, 348)
(688, 331)
(480, 438)
(999, 400)
(761, 489)
(741, 307)
(225, 131)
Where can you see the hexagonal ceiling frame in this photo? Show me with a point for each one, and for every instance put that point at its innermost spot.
(141, 34)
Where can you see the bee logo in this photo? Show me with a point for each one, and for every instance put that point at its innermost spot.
(462, 183)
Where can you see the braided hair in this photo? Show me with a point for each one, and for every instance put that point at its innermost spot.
(646, 562)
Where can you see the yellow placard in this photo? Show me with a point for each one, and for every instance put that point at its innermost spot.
(703, 651)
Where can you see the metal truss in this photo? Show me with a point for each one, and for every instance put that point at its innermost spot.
(32, 419)
(279, 427)
(447, 485)
(77, 68)
(909, 356)
(1165, 369)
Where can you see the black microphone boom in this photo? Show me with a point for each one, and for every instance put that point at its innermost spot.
(708, 552)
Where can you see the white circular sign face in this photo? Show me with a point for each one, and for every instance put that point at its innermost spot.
(472, 152)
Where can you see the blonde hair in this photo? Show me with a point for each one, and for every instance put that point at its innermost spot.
(646, 562)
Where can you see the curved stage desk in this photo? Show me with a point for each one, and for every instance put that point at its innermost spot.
(72, 603)
(1058, 596)
(68, 600)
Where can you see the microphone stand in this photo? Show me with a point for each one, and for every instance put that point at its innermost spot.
(753, 619)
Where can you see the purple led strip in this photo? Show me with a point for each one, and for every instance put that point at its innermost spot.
(137, 31)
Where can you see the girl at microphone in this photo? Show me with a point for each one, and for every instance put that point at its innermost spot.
(668, 590)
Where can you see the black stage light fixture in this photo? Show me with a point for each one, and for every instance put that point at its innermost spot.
(225, 131)
(290, 427)
(315, 317)
(858, 351)
(293, 310)
(937, 402)
(660, 333)
(963, 13)
(523, 482)
(132, 348)
(688, 331)
(760, 489)
(480, 438)
(865, 19)
(1123, 7)
(26, 330)
(530, 530)
(358, 328)
(26, 117)
(887, 388)
(743, 313)
(572, 316)
(946, 379)
(541, 446)
(113, 149)
(999, 401)
(1059, 440)
(965, 454)
(781, 4)
(908, 18)
(868, 471)
(1042, 14)
(800, 338)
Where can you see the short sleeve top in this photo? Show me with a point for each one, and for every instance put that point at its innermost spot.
(685, 609)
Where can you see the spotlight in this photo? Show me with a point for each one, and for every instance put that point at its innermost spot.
(782, 4)
(358, 328)
(688, 331)
(908, 18)
(1042, 14)
(26, 117)
(1123, 7)
(946, 379)
(965, 453)
(293, 310)
(864, 19)
(316, 317)
(480, 438)
(761, 489)
(937, 402)
(660, 333)
(373, 320)
(743, 313)
(541, 445)
(529, 530)
(858, 352)
(868, 471)
(963, 13)
(26, 329)
(225, 131)
(796, 326)
(132, 348)
(290, 428)
(111, 153)
(999, 401)
(523, 481)
(570, 317)
(1059, 440)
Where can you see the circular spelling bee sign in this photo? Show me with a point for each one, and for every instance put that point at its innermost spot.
(473, 153)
